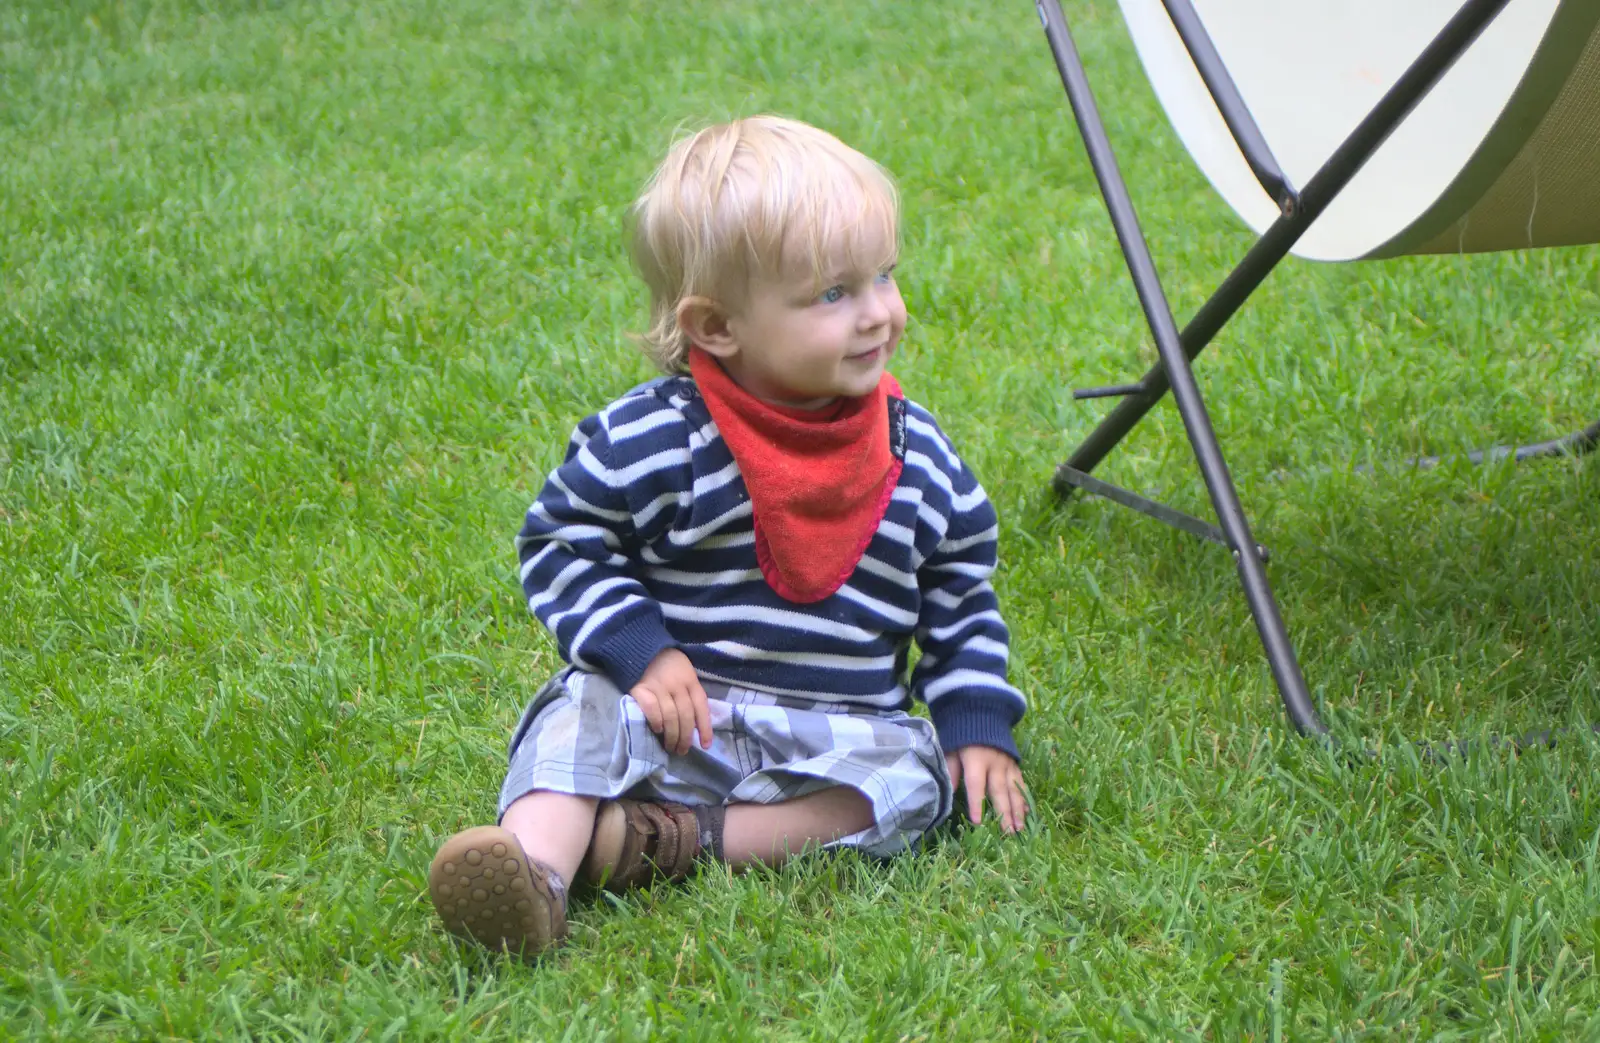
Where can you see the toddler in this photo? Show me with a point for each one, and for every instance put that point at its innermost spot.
(735, 559)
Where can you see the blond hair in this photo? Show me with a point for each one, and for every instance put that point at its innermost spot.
(759, 197)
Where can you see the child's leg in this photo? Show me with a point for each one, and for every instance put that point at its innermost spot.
(825, 763)
(504, 886)
(553, 828)
(771, 833)
(636, 840)
(487, 890)
(873, 781)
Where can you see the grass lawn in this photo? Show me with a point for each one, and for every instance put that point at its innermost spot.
(298, 304)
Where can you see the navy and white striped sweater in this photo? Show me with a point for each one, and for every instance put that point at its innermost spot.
(643, 540)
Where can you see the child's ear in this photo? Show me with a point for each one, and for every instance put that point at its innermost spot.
(706, 324)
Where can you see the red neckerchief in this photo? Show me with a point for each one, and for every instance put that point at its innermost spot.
(819, 480)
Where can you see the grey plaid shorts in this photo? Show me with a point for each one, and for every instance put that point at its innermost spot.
(581, 735)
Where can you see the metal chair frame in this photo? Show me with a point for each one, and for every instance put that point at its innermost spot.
(1177, 348)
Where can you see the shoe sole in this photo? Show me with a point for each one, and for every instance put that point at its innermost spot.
(485, 890)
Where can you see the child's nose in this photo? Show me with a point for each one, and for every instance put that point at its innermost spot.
(876, 310)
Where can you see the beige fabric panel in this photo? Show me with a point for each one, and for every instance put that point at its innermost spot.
(1548, 193)
(1503, 154)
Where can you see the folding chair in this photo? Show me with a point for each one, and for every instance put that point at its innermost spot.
(1328, 109)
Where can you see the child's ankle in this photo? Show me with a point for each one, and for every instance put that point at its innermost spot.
(557, 882)
(709, 819)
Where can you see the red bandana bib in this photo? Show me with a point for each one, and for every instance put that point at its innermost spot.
(819, 480)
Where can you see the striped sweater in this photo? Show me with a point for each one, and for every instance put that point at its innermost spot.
(643, 539)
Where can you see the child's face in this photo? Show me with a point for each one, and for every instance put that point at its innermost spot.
(791, 344)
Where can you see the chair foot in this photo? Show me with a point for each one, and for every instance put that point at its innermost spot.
(1575, 444)
(1069, 478)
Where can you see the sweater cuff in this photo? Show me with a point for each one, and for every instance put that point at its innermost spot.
(974, 723)
(626, 653)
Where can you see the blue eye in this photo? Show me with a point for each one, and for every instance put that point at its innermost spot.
(832, 295)
(887, 275)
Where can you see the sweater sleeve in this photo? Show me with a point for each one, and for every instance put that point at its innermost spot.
(578, 546)
(965, 644)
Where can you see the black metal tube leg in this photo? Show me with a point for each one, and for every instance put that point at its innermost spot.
(1274, 244)
(1252, 573)
(1235, 113)
(1578, 443)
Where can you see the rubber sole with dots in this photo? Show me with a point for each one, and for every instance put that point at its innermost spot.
(487, 890)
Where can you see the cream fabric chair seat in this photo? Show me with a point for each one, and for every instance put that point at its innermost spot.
(1503, 154)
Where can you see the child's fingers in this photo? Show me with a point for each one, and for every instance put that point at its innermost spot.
(1016, 800)
(652, 708)
(684, 704)
(671, 721)
(976, 783)
(1000, 799)
(702, 713)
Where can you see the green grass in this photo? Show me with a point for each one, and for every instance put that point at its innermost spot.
(298, 302)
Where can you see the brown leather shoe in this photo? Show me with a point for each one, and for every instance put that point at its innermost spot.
(637, 841)
(487, 890)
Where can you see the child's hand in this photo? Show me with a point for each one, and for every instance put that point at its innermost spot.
(673, 702)
(987, 770)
